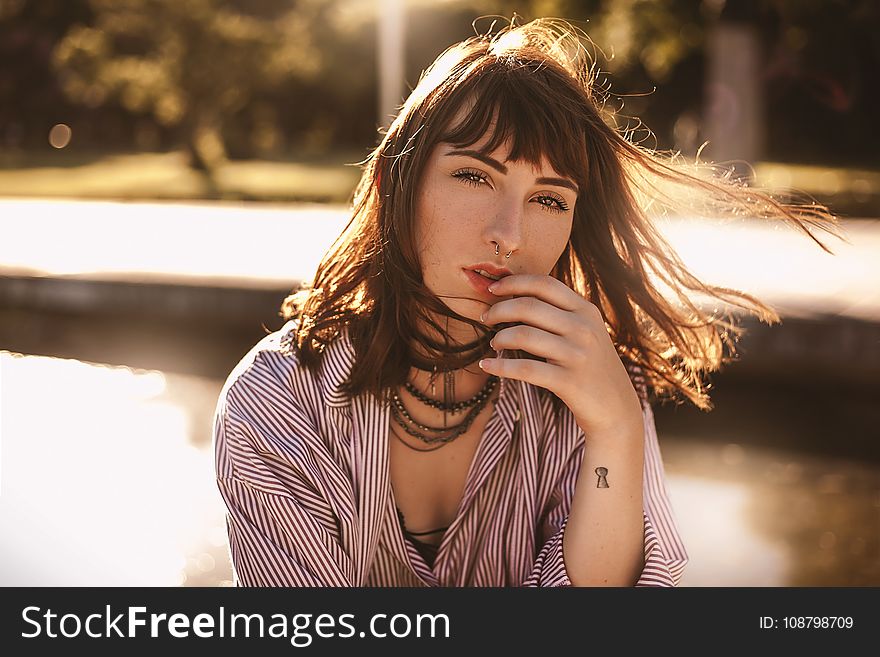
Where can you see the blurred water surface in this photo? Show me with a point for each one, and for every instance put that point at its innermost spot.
(107, 479)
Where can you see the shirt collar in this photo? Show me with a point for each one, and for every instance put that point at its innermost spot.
(336, 366)
(336, 363)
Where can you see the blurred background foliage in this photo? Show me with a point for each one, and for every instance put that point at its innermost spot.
(238, 78)
(222, 80)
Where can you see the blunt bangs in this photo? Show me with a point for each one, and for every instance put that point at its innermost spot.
(521, 107)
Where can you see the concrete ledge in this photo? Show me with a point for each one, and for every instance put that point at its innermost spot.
(821, 350)
(172, 301)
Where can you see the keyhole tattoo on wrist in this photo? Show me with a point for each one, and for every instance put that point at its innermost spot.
(603, 482)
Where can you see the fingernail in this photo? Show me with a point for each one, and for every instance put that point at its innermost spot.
(483, 316)
(491, 288)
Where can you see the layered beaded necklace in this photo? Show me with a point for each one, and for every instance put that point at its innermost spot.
(437, 437)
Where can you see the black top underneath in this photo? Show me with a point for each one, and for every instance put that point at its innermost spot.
(427, 550)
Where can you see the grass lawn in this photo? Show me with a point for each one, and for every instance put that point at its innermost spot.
(166, 176)
(851, 192)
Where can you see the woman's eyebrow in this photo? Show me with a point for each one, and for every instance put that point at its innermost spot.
(559, 182)
(477, 155)
(495, 164)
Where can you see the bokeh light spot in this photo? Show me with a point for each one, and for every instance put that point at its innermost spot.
(59, 135)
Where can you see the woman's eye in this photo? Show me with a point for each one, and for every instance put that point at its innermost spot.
(546, 201)
(474, 178)
(555, 204)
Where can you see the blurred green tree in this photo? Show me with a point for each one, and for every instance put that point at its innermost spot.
(190, 65)
(266, 78)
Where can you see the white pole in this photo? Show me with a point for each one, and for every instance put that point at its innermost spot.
(390, 36)
(734, 112)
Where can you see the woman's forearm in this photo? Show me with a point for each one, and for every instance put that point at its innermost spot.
(603, 543)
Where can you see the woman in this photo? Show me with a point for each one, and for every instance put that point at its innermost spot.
(460, 398)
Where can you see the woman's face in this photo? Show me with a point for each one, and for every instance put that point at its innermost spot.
(468, 203)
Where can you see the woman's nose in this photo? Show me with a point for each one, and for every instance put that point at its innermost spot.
(506, 227)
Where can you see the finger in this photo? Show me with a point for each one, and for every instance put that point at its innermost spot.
(524, 369)
(532, 311)
(535, 341)
(547, 288)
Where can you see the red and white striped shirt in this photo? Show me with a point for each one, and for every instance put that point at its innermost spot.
(304, 472)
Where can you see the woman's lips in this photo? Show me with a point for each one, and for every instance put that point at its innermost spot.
(479, 282)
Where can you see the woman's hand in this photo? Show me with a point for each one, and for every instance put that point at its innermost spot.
(582, 366)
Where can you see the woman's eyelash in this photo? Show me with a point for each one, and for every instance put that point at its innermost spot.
(463, 175)
(561, 205)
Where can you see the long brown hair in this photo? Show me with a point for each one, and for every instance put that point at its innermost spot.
(535, 86)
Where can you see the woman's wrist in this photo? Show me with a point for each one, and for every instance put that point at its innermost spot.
(628, 431)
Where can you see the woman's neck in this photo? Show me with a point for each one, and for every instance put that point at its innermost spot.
(468, 380)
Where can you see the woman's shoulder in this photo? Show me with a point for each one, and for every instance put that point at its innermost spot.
(273, 371)
(273, 354)
(271, 411)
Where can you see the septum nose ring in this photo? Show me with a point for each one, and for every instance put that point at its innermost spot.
(496, 251)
